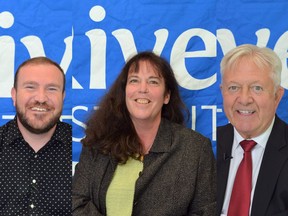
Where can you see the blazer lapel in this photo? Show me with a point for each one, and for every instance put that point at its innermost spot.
(225, 136)
(155, 159)
(276, 153)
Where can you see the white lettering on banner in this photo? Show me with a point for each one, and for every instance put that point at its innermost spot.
(77, 122)
(98, 61)
(178, 55)
(281, 48)
(7, 56)
(34, 47)
(126, 40)
(193, 117)
(214, 110)
(227, 42)
(263, 36)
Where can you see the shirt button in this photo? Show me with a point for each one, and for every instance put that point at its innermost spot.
(32, 206)
(34, 181)
(35, 156)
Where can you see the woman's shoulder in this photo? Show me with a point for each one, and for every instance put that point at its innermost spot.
(91, 160)
(185, 132)
(91, 155)
(186, 141)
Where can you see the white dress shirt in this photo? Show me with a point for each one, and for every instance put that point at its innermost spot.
(237, 155)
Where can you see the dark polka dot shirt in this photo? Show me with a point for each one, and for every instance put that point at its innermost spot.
(35, 184)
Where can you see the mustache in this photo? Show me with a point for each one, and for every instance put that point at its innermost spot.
(39, 104)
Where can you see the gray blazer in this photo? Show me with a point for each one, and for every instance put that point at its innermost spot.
(178, 178)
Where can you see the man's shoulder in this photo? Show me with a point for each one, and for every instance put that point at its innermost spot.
(63, 133)
(224, 128)
(280, 127)
(5, 127)
(64, 126)
(280, 122)
(2, 128)
(3, 132)
(182, 131)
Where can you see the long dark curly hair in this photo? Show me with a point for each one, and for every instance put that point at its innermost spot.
(110, 129)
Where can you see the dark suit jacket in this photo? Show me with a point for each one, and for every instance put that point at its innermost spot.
(178, 178)
(271, 192)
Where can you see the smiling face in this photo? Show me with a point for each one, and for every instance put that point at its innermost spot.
(249, 98)
(145, 93)
(38, 97)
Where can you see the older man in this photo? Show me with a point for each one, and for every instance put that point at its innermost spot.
(252, 150)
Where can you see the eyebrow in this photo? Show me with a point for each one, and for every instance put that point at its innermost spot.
(250, 83)
(46, 85)
(154, 77)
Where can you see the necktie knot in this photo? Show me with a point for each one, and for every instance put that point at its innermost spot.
(247, 145)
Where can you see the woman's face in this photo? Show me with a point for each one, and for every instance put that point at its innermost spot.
(145, 94)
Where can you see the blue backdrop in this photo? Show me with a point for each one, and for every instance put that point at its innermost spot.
(91, 39)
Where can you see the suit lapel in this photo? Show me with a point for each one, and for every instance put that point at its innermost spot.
(156, 157)
(225, 136)
(274, 156)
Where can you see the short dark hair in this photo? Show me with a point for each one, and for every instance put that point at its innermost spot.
(37, 61)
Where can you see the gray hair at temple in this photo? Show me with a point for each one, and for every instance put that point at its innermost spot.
(263, 57)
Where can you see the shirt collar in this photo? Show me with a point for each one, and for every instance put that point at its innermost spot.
(163, 137)
(60, 129)
(13, 132)
(261, 140)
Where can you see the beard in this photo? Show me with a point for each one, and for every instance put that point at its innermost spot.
(33, 128)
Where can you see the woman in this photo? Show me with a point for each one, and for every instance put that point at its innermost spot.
(137, 157)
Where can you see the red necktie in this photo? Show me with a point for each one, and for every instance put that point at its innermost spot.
(240, 198)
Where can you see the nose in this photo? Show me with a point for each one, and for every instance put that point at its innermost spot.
(143, 87)
(41, 96)
(245, 96)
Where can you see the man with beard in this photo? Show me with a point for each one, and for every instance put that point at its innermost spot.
(35, 147)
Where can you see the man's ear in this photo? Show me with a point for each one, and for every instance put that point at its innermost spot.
(13, 94)
(64, 94)
(279, 94)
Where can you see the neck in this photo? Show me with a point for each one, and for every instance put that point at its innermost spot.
(36, 141)
(147, 133)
